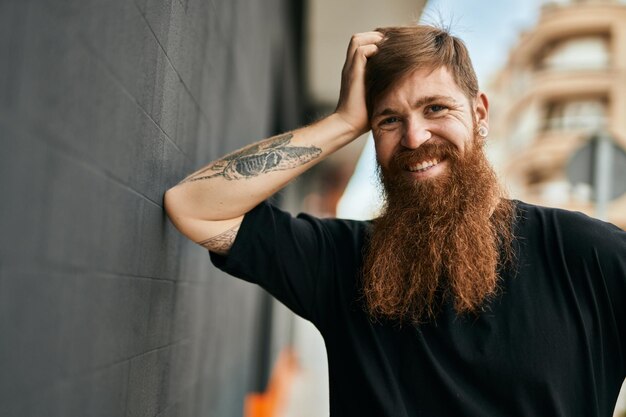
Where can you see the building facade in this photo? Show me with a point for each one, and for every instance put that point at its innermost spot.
(563, 85)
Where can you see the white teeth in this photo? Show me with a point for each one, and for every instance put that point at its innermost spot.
(423, 165)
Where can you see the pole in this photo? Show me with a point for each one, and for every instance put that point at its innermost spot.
(603, 168)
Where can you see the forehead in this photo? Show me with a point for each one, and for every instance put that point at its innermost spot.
(420, 83)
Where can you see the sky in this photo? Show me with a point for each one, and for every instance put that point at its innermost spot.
(489, 29)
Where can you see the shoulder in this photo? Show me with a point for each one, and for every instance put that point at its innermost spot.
(338, 225)
(343, 231)
(571, 229)
(267, 219)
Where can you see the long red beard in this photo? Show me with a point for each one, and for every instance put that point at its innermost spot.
(437, 239)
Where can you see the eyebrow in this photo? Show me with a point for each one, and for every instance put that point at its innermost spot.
(419, 103)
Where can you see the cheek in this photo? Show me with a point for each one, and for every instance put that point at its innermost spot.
(458, 134)
(460, 141)
(385, 145)
(381, 155)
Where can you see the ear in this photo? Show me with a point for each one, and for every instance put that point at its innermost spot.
(481, 109)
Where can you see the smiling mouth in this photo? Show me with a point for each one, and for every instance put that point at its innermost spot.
(424, 165)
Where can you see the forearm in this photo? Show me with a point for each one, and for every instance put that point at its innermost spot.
(233, 185)
(208, 206)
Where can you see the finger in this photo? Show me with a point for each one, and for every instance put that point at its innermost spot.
(361, 39)
(359, 59)
(364, 38)
(356, 66)
(365, 51)
(371, 36)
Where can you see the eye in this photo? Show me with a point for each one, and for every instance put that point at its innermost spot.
(436, 108)
(388, 121)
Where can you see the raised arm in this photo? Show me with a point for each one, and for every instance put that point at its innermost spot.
(208, 206)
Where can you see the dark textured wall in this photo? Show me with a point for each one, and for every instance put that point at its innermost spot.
(105, 310)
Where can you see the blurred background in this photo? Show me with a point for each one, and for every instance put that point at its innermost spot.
(105, 310)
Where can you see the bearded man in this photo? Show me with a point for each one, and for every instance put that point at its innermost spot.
(456, 301)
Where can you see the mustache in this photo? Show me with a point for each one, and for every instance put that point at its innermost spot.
(427, 151)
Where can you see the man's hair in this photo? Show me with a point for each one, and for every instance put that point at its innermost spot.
(408, 48)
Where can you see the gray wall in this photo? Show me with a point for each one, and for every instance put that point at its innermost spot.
(105, 310)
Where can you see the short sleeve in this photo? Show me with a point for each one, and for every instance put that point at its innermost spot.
(303, 261)
(597, 250)
(589, 256)
(608, 265)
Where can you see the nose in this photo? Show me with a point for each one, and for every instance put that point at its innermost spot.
(416, 132)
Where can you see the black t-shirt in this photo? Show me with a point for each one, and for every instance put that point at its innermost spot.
(553, 343)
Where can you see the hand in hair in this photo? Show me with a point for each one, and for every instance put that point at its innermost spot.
(209, 205)
(351, 105)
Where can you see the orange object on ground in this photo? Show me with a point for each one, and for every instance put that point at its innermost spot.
(273, 400)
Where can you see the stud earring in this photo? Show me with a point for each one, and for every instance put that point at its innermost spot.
(483, 131)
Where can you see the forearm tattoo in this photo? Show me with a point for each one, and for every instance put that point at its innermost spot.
(270, 155)
(222, 242)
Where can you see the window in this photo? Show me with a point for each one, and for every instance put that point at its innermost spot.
(574, 114)
(587, 52)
